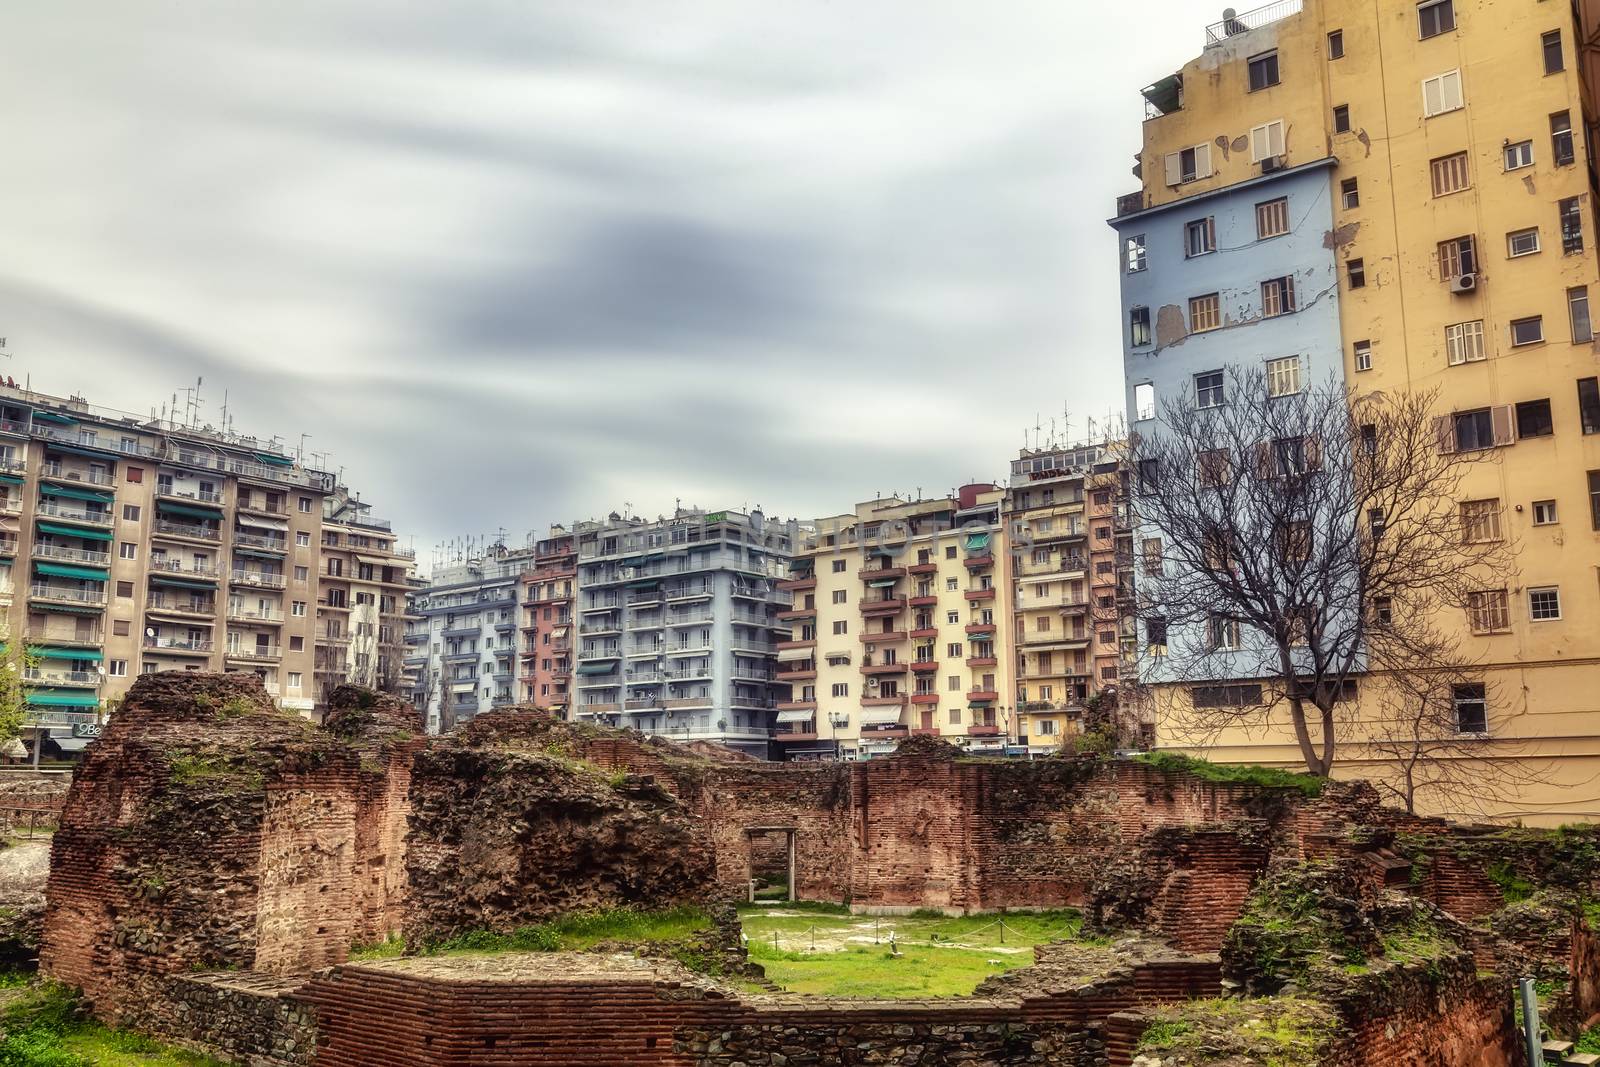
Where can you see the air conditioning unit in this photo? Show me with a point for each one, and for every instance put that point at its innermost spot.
(1271, 164)
(1464, 283)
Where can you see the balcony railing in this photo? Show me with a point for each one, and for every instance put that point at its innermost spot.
(238, 611)
(41, 676)
(255, 652)
(203, 496)
(272, 544)
(186, 529)
(1218, 32)
(73, 555)
(65, 595)
(74, 514)
(264, 579)
(72, 474)
(198, 568)
(182, 606)
(178, 644)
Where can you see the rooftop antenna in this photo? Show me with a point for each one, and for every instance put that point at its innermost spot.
(300, 455)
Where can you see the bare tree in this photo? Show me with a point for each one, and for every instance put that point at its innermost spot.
(1292, 543)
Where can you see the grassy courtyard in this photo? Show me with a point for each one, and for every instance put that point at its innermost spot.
(823, 949)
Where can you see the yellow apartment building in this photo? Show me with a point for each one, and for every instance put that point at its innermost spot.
(901, 623)
(1462, 187)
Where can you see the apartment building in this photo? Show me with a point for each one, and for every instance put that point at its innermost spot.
(1435, 166)
(461, 636)
(677, 624)
(548, 594)
(901, 621)
(1114, 651)
(147, 546)
(361, 599)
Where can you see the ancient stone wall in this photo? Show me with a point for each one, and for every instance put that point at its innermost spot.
(251, 1019)
(1442, 1016)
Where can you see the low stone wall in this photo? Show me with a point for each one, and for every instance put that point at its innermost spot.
(1442, 1016)
(251, 1019)
(930, 1038)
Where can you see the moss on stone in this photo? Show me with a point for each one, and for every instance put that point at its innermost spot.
(1275, 1032)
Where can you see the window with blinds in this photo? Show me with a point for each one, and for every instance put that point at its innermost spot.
(1283, 376)
(1205, 312)
(1272, 218)
(1277, 296)
(1480, 521)
(1450, 174)
(1457, 256)
(1463, 342)
(1442, 93)
(1488, 611)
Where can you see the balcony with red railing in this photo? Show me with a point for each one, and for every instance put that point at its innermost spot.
(868, 574)
(882, 637)
(980, 627)
(781, 645)
(925, 666)
(982, 661)
(977, 730)
(982, 696)
(923, 601)
(975, 563)
(896, 701)
(924, 698)
(883, 668)
(923, 568)
(799, 674)
(795, 585)
(980, 594)
(887, 605)
(797, 731)
(925, 632)
(797, 705)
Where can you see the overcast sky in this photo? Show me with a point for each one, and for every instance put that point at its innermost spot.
(515, 263)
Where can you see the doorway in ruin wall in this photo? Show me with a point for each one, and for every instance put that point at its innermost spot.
(772, 862)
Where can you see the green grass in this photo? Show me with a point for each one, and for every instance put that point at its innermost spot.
(44, 1028)
(1513, 887)
(1273, 1032)
(579, 931)
(824, 953)
(1234, 773)
(390, 947)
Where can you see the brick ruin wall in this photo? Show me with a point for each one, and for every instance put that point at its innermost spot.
(1409, 1019)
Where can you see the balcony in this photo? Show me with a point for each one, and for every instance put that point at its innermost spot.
(689, 592)
(612, 626)
(69, 513)
(74, 679)
(980, 628)
(647, 596)
(923, 568)
(797, 705)
(92, 637)
(264, 543)
(11, 505)
(888, 605)
(255, 653)
(189, 568)
(66, 555)
(924, 601)
(796, 614)
(924, 633)
(883, 637)
(179, 646)
(244, 614)
(974, 563)
(924, 698)
(1235, 24)
(185, 531)
(978, 730)
(55, 594)
(982, 661)
(797, 731)
(267, 507)
(980, 594)
(259, 579)
(58, 472)
(869, 574)
(925, 666)
(801, 674)
(168, 491)
(795, 585)
(982, 696)
(896, 701)
(884, 668)
(812, 643)
(187, 607)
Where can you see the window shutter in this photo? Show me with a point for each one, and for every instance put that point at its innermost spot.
(1259, 139)
(1500, 416)
(1313, 446)
(1264, 460)
(1444, 431)
(1202, 161)
(1450, 90)
(1174, 169)
(1431, 96)
(1275, 138)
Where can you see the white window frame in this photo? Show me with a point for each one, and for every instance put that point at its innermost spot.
(1545, 513)
(1266, 141)
(1511, 242)
(1538, 319)
(1283, 376)
(1362, 354)
(1448, 92)
(1463, 343)
(1135, 256)
(1525, 157)
(1533, 612)
(1144, 401)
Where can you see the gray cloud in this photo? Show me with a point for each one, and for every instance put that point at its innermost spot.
(513, 265)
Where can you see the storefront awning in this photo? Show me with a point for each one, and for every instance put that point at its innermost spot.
(194, 511)
(67, 570)
(796, 715)
(879, 716)
(47, 699)
(72, 531)
(793, 655)
(74, 493)
(92, 655)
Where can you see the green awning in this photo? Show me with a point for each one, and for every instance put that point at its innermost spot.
(75, 493)
(882, 583)
(68, 570)
(598, 668)
(50, 416)
(69, 609)
(649, 583)
(255, 553)
(50, 652)
(184, 583)
(977, 542)
(48, 699)
(196, 511)
(276, 461)
(73, 531)
(10, 479)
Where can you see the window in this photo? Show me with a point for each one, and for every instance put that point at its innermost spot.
(1441, 93)
(125, 590)
(1435, 17)
(1214, 469)
(950, 550)
(1189, 164)
(1594, 499)
(1283, 376)
(1208, 389)
(841, 626)
(1225, 696)
(952, 584)
(1294, 541)
(1449, 174)
(1341, 118)
(1522, 242)
(1289, 457)
(1151, 554)
(130, 513)
(305, 505)
(1363, 355)
(1205, 312)
(1472, 709)
(1377, 522)
(1561, 138)
(1264, 68)
(1571, 225)
(1357, 271)
(1551, 44)
(1528, 331)
(1544, 604)
(128, 550)
(952, 617)
(1544, 513)
(1369, 439)
(1457, 256)
(1350, 193)
(1481, 428)
(1277, 297)
(1578, 314)
(1223, 633)
(117, 668)
(1336, 44)
(1480, 521)
(302, 574)
(1134, 259)
(1138, 326)
(1155, 630)
(1533, 419)
(120, 627)
(953, 650)
(1144, 401)
(841, 689)
(1149, 476)
(1519, 155)
(1487, 612)
(840, 595)
(1266, 141)
(298, 609)
(302, 539)
(839, 566)
(1383, 611)
(1589, 404)
(1199, 237)
(1272, 218)
(1463, 342)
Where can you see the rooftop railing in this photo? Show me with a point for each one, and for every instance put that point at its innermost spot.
(1218, 32)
